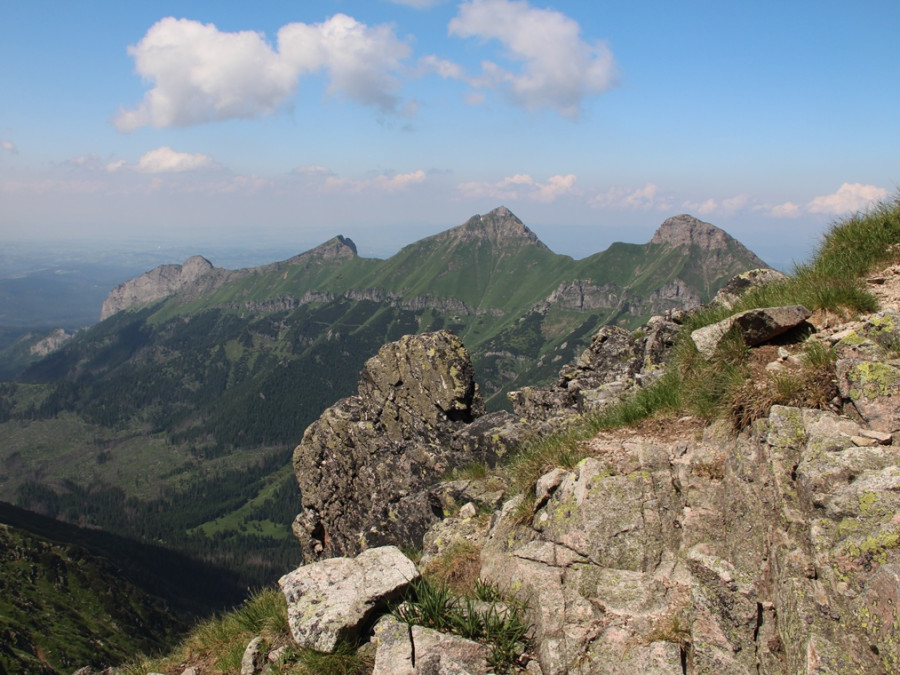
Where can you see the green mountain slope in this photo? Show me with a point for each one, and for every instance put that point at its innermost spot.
(71, 597)
(174, 418)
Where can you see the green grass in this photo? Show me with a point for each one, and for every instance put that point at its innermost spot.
(501, 625)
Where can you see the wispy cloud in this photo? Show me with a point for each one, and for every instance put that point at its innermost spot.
(849, 198)
(521, 186)
(9, 146)
(201, 74)
(166, 160)
(384, 183)
(557, 68)
(726, 206)
(312, 170)
(645, 198)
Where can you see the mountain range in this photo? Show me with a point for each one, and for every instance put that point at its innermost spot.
(172, 420)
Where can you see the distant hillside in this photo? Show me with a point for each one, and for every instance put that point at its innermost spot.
(73, 597)
(173, 419)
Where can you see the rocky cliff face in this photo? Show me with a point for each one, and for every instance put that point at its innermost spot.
(161, 282)
(365, 467)
(675, 548)
(685, 230)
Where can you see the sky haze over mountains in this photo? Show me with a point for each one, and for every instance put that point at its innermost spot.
(290, 122)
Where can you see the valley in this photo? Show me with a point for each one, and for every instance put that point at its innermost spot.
(172, 421)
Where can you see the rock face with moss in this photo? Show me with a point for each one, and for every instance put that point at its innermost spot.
(776, 550)
(365, 467)
(615, 361)
(682, 550)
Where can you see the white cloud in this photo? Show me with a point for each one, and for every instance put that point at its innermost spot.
(385, 183)
(785, 210)
(9, 147)
(166, 160)
(442, 67)
(312, 170)
(201, 74)
(643, 198)
(521, 186)
(727, 206)
(850, 198)
(558, 69)
(360, 60)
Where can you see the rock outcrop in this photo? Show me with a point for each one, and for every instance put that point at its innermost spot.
(691, 549)
(365, 467)
(161, 282)
(615, 361)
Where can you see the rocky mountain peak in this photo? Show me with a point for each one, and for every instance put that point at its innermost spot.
(498, 226)
(158, 283)
(338, 247)
(685, 230)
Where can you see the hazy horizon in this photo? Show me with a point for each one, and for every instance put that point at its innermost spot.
(387, 121)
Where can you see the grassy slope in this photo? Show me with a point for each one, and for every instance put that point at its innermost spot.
(73, 597)
(175, 421)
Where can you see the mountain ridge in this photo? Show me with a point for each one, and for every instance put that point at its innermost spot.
(172, 420)
(499, 229)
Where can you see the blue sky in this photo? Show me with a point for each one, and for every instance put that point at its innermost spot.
(289, 122)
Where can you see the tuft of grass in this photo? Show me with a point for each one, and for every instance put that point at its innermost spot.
(346, 659)
(457, 567)
(472, 471)
(501, 625)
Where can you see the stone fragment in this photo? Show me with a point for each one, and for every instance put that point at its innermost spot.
(335, 599)
(756, 326)
(254, 657)
(873, 387)
(415, 650)
(468, 510)
(882, 437)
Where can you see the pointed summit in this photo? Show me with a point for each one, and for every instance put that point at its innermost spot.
(685, 230)
(335, 248)
(499, 226)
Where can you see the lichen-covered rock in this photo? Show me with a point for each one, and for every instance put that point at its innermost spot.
(773, 552)
(365, 466)
(731, 292)
(615, 361)
(755, 326)
(335, 599)
(414, 650)
(873, 387)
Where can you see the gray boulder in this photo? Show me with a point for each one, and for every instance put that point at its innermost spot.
(731, 292)
(755, 326)
(365, 466)
(414, 650)
(339, 598)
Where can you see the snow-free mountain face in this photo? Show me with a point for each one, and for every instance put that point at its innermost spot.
(173, 417)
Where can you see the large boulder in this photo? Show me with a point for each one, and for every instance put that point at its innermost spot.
(340, 598)
(755, 327)
(365, 466)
